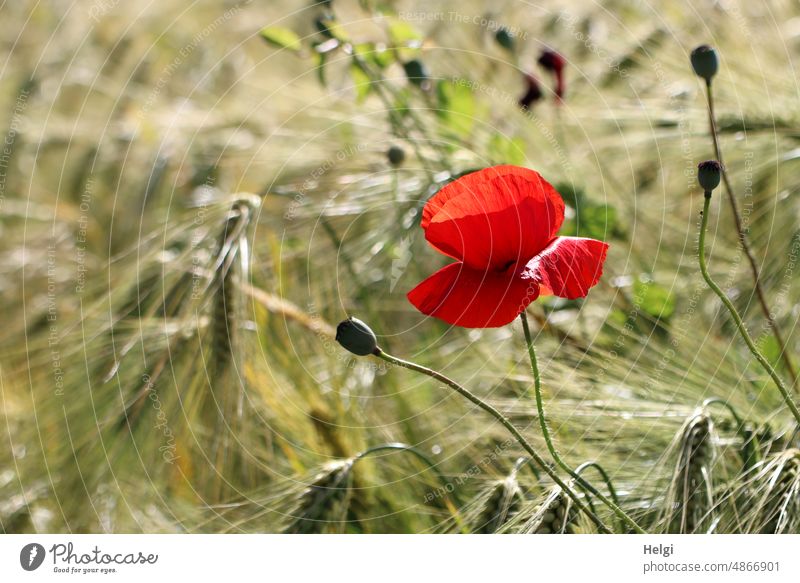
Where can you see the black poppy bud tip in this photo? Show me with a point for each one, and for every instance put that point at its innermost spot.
(396, 156)
(356, 337)
(705, 62)
(709, 174)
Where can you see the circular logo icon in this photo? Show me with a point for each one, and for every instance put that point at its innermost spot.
(31, 556)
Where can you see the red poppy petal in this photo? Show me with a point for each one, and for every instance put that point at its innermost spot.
(494, 217)
(473, 299)
(569, 266)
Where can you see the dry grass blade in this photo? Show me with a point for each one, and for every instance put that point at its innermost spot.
(773, 495)
(498, 504)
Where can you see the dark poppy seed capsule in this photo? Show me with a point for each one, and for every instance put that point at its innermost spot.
(705, 62)
(355, 336)
(504, 38)
(396, 156)
(416, 71)
(709, 174)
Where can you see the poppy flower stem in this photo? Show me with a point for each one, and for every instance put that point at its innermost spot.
(743, 241)
(735, 315)
(537, 386)
(504, 421)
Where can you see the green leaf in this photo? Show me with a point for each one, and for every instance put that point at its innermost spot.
(505, 150)
(372, 53)
(771, 350)
(405, 38)
(321, 58)
(281, 37)
(653, 299)
(456, 106)
(361, 81)
(402, 33)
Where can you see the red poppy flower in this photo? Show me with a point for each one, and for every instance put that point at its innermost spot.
(500, 225)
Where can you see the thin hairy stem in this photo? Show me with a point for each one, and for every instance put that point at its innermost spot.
(537, 387)
(743, 241)
(505, 422)
(736, 317)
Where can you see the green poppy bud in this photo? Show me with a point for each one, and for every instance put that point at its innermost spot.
(396, 156)
(355, 336)
(505, 39)
(705, 62)
(709, 174)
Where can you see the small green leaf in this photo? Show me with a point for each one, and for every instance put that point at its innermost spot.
(505, 150)
(771, 350)
(281, 37)
(361, 81)
(403, 34)
(456, 106)
(375, 54)
(653, 299)
(321, 58)
(404, 38)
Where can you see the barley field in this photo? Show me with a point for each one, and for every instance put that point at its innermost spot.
(194, 194)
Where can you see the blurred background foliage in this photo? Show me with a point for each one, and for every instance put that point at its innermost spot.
(193, 194)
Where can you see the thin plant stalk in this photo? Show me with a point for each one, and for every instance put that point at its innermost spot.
(464, 392)
(742, 235)
(537, 387)
(737, 318)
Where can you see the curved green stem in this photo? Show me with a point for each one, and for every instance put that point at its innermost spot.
(728, 406)
(524, 461)
(737, 318)
(744, 242)
(606, 478)
(750, 453)
(537, 385)
(398, 446)
(504, 421)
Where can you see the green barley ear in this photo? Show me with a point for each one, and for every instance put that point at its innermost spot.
(232, 260)
(555, 515)
(322, 506)
(499, 504)
(690, 498)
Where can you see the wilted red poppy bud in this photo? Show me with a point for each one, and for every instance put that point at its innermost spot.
(355, 336)
(555, 63)
(705, 62)
(551, 60)
(533, 92)
(709, 174)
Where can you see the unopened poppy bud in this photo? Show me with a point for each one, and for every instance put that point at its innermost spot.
(705, 62)
(504, 38)
(355, 336)
(396, 156)
(533, 92)
(709, 174)
(417, 73)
